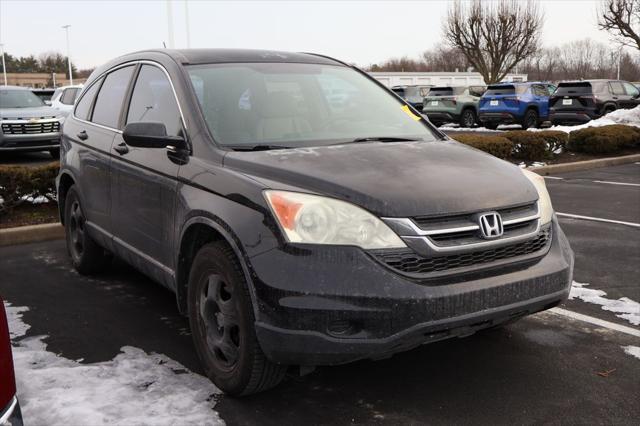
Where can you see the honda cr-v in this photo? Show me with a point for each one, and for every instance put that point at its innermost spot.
(294, 231)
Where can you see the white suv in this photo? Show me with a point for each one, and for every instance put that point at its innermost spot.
(64, 97)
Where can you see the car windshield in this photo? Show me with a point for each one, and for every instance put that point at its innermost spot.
(19, 99)
(293, 104)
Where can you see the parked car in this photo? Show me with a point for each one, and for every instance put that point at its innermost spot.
(414, 95)
(64, 98)
(27, 123)
(9, 406)
(295, 233)
(453, 104)
(526, 104)
(576, 102)
(44, 94)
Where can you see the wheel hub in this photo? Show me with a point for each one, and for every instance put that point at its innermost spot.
(220, 320)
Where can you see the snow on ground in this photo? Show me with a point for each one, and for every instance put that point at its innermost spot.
(624, 307)
(133, 388)
(632, 350)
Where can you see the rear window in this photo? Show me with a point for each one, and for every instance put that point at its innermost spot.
(441, 91)
(477, 90)
(398, 91)
(505, 89)
(582, 88)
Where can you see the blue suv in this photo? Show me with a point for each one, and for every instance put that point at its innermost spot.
(526, 104)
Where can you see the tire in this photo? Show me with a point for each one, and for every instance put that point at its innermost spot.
(531, 119)
(86, 255)
(490, 126)
(609, 109)
(222, 324)
(468, 118)
(55, 153)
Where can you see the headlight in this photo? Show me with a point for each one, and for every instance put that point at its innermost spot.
(544, 202)
(312, 219)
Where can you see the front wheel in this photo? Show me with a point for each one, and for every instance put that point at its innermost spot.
(530, 119)
(222, 324)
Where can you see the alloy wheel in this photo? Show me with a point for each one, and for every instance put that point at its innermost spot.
(77, 229)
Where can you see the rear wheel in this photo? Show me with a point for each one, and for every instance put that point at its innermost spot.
(468, 118)
(608, 109)
(86, 255)
(530, 119)
(222, 324)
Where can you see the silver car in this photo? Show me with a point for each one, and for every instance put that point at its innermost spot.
(27, 123)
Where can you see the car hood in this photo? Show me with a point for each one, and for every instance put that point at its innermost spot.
(394, 179)
(38, 112)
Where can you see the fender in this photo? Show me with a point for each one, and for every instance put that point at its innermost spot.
(206, 218)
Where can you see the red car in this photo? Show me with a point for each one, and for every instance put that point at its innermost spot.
(9, 407)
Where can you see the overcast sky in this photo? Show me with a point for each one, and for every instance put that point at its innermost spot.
(361, 32)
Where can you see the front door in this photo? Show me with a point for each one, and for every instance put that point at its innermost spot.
(145, 179)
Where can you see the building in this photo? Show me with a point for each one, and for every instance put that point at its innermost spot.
(391, 79)
(40, 80)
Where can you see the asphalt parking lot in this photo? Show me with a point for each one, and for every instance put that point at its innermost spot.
(547, 368)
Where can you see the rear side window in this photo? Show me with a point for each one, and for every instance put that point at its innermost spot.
(153, 100)
(539, 90)
(84, 105)
(477, 90)
(617, 88)
(109, 102)
(69, 96)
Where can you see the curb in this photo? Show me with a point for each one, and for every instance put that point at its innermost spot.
(31, 234)
(585, 165)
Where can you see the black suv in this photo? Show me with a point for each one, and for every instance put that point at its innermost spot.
(576, 102)
(293, 230)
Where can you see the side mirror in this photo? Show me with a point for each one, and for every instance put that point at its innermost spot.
(150, 135)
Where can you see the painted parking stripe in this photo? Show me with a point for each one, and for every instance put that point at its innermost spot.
(606, 182)
(596, 321)
(617, 183)
(598, 219)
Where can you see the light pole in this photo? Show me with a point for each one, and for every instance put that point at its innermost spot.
(170, 24)
(186, 21)
(66, 28)
(4, 66)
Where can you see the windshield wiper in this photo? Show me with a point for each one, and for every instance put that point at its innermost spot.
(260, 147)
(382, 139)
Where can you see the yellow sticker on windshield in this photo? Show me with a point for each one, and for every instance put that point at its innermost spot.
(410, 113)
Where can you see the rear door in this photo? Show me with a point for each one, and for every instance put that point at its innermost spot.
(92, 132)
(541, 98)
(633, 96)
(145, 179)
(619, 94)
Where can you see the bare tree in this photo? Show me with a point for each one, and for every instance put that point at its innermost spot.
(621, 19)
(494, 36)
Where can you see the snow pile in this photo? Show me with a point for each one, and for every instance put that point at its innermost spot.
(624, 307)
(133, 388)
(630, 117)
(632, 350)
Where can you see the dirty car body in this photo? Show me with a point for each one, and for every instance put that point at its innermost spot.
(357, 236)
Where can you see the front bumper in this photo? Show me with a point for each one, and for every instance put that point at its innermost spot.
(11, 414)
(327, 306)
(29, 142)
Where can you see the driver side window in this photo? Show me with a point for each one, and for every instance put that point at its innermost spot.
(631, 89)
(153, 101)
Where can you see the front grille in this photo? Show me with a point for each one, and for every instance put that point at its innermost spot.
(410, 262)
(27, 128)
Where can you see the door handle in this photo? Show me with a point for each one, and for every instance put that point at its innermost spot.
(83, 135)
(121, 148)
